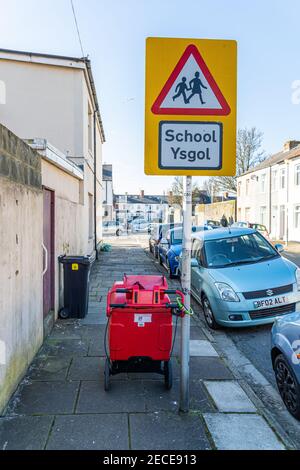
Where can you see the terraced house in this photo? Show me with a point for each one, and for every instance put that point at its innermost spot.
(51, 137)
(270, 194)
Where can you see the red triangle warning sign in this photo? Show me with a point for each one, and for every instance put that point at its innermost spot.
(191, 89)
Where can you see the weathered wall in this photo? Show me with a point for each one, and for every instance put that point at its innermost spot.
(21, 287)
(68, 215)
(215, 211)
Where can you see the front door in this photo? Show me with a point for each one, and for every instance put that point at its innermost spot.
(48, 252)
(282, 223)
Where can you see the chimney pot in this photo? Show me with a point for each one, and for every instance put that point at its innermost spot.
(290, 144)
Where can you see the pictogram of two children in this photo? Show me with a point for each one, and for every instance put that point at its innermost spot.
(195, 85)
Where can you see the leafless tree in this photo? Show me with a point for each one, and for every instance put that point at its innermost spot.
(176, 194)
(248, 154)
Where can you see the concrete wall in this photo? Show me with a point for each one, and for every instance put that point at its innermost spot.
(21, 285)
(68, 215)
(214, 211)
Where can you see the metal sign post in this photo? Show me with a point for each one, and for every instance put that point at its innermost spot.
(186, 286)
(190, 130)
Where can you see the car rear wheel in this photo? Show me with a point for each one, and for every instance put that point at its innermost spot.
(171, 275)
(288, 386)
(208, 314)
(118, 232)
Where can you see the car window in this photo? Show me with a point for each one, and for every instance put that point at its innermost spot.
(176, 236)
(243, 249)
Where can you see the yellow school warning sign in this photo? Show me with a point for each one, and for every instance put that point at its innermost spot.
(190, 116)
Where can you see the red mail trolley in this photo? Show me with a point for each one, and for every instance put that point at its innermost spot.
(139, 326)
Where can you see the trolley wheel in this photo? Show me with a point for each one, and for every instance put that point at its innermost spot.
(64, 313)
(168, 374)
(106, 375)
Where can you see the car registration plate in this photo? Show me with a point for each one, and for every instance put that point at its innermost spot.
(274, 302)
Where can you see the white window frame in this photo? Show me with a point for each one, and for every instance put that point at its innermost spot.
(274, 180)
(263, 183)
(262, 214)
(282, 178)
(297, 174)
(297, 216)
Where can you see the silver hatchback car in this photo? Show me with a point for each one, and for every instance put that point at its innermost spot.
(241, 279)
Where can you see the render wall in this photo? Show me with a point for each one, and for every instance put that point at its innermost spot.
(215, 211)
(21, 285)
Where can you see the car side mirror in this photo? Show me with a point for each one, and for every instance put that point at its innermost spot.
(279, 247)
(194, 263)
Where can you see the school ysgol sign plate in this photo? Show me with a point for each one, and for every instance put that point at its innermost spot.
(190, 115)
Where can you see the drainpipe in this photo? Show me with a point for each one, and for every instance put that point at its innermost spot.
(287, 202)
(95, 185)
(270, 200)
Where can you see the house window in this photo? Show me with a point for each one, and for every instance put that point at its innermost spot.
(297, 216)
(263, 215)
(274, 180)
(239, 188)
(247, 214)
(90, 130)
(247, 187)
(297, 175)
(263, 183)
(91, 216)
(282, 178)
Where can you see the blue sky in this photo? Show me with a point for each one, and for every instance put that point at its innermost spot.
(113, 34)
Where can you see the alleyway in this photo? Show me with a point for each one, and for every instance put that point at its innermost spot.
(61, 403)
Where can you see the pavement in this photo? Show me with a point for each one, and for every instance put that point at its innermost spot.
(61, 402)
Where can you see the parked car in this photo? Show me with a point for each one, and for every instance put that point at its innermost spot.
(259, 227)
(170, 247)
(240, 224)
(241, 279)
(212, 223)
(159, 231)
(285, 353)
(140, 225)
(113, 227)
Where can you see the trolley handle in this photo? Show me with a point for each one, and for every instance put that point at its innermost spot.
(171, 305)
(122, 290)
(171, 291)
(117, 305)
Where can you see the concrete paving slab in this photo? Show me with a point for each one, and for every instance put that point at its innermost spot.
(90, 432)
(160, 399)
(50, 368)
(167, 431)
(241, 432)
(64, 347)
(209, 368)
(24, 432)
(95, 318)
(123, 397)
(229, 396)
(63, 330)
(86, 368)
(200, 401)
(202, 348)
(44, 398)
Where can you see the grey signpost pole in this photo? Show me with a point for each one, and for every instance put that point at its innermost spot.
(186, 286)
